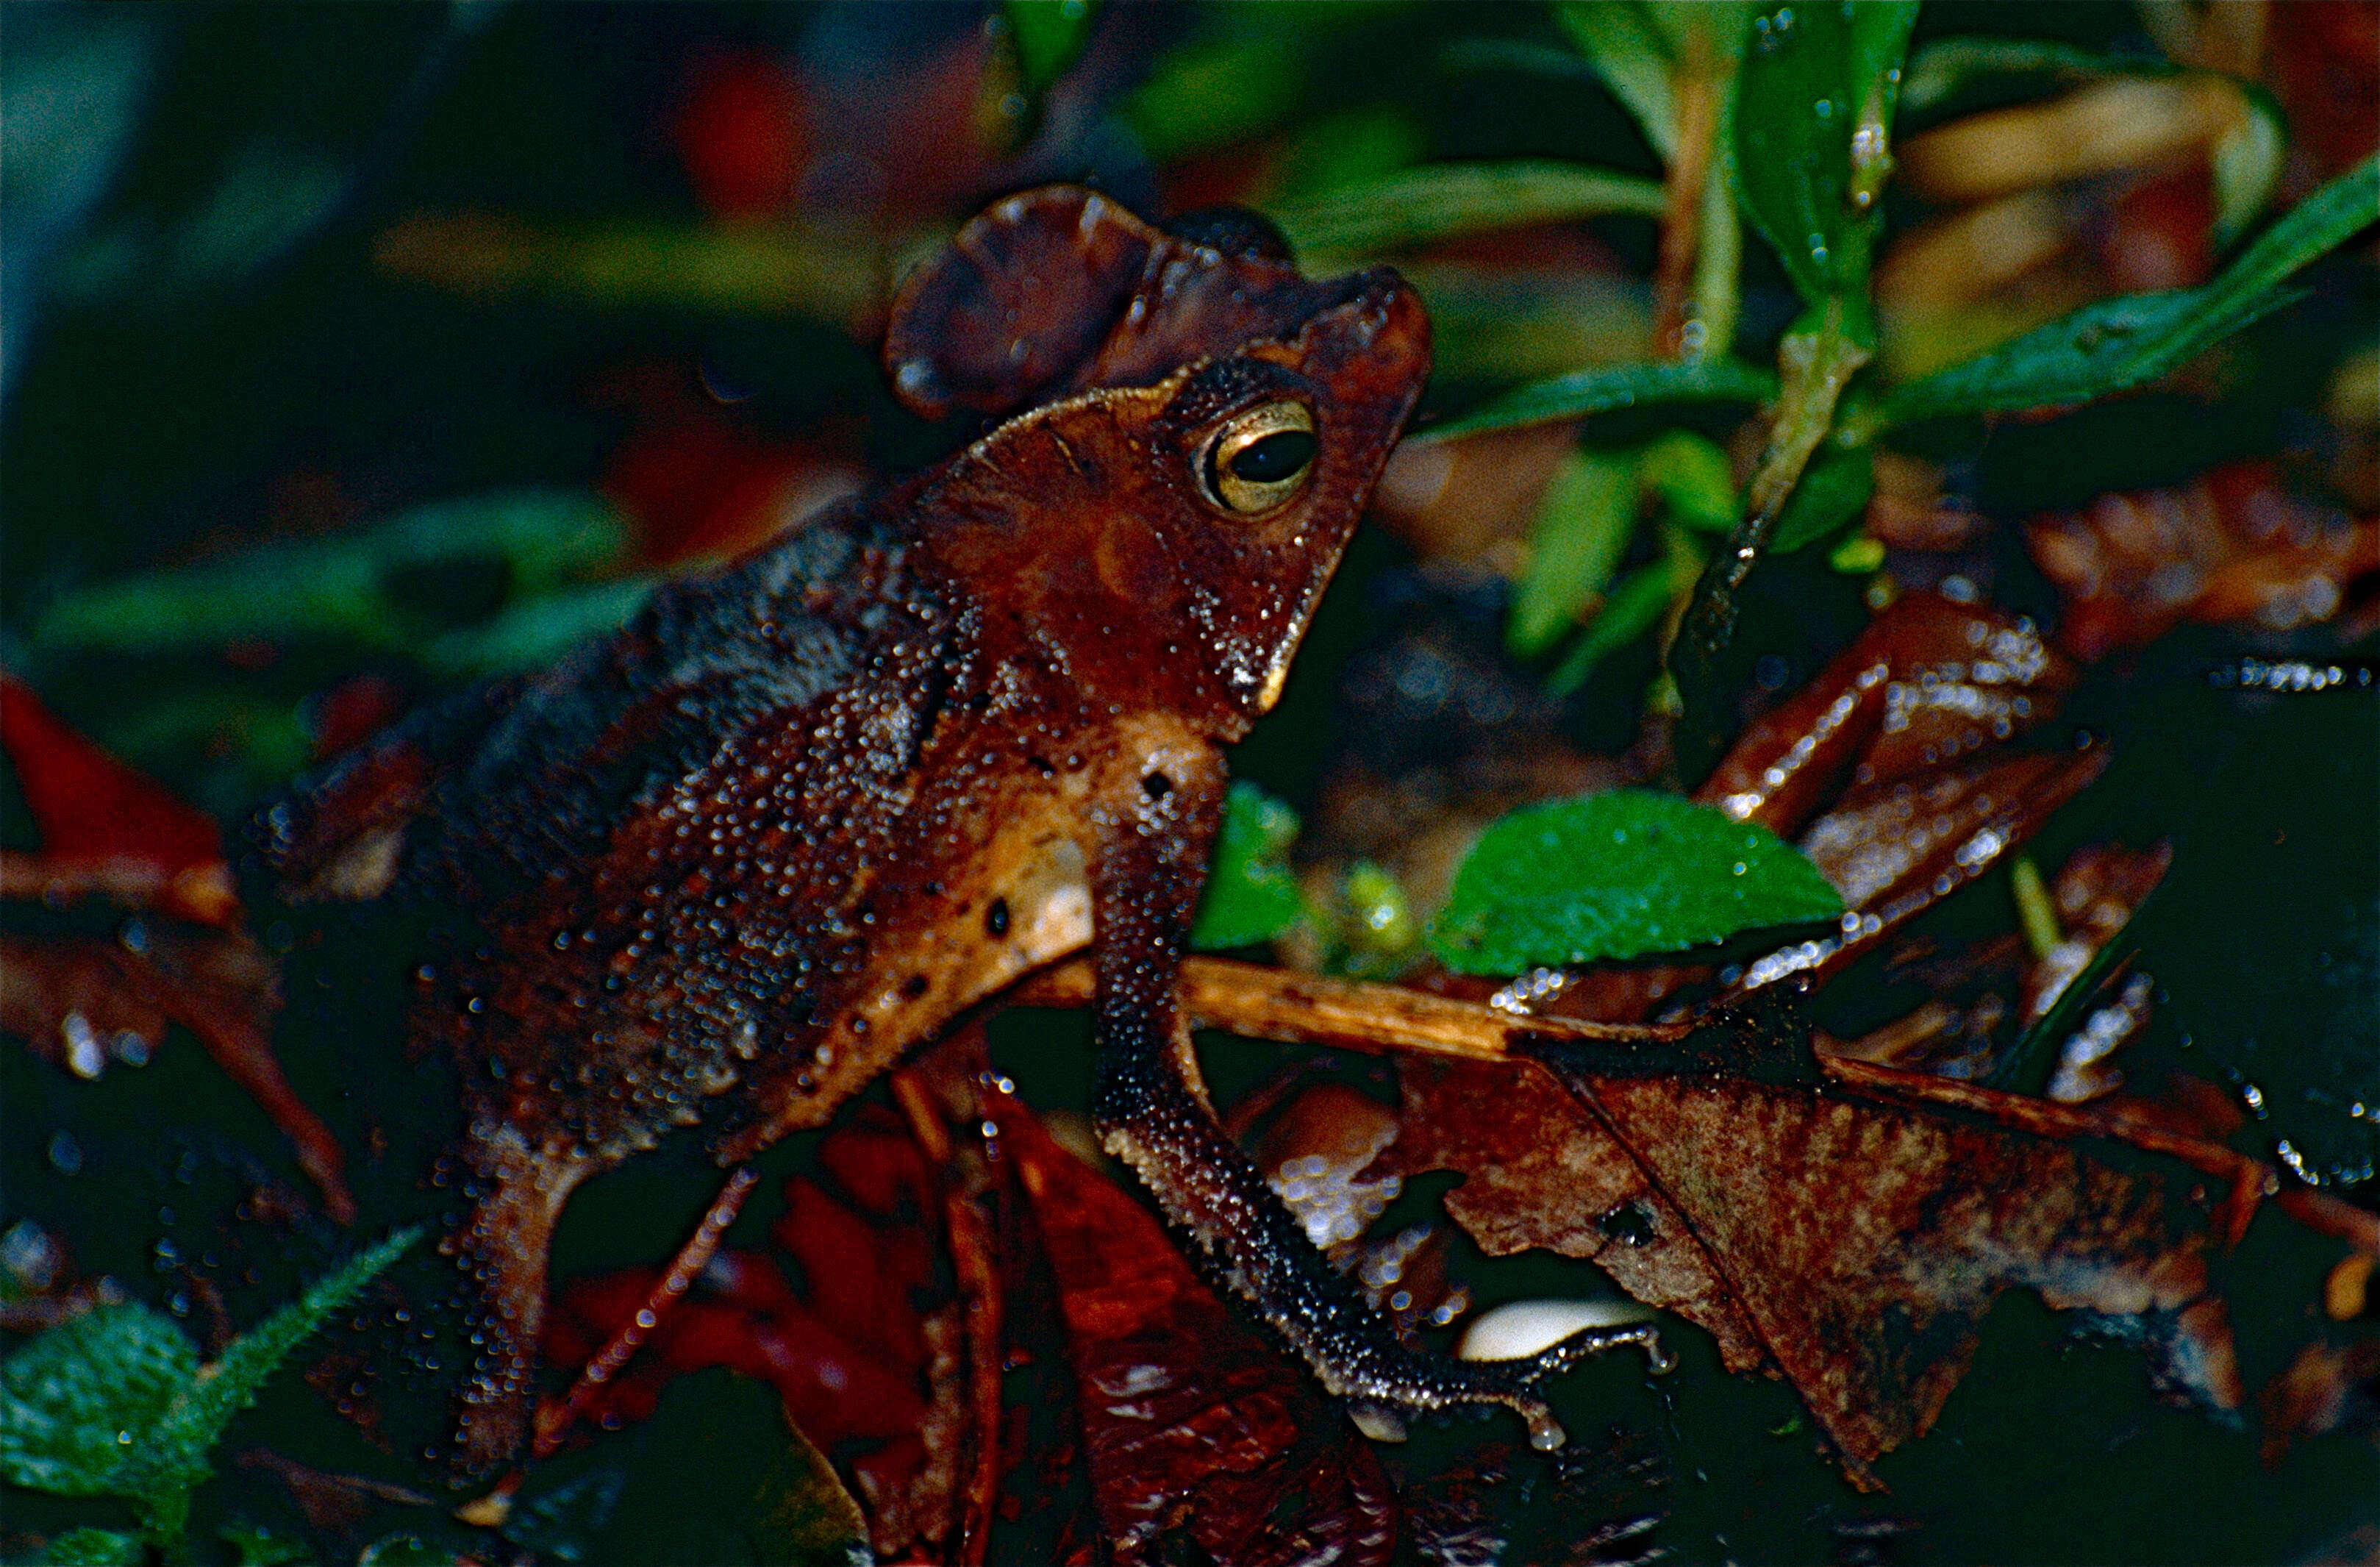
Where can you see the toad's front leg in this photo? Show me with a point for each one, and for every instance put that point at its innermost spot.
(1149, 860)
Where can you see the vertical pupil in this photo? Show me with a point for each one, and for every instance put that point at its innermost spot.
(1276, 456)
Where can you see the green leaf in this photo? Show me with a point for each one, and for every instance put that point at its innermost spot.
(1250, 894)
(1693, 479)
(1446, 201)
(1629, 52)
(1833, 489)
(1607, 388)
(75, 1400)
(2119, 344)
(535, 632)
(1050, 36)
(174, 1454)
(1814, 74)
(95, 1547)
(1582, 529)
(1618, 875)
(1631, 609)
(386, 586)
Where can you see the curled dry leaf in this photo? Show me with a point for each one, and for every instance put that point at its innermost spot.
(1851, 1246)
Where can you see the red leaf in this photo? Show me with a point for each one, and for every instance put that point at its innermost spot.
(97, 814)
(1192, 1422)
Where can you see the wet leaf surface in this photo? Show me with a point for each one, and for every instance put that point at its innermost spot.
(1619, 875)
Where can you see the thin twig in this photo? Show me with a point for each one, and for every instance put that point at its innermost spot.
(1273, 1003)
(972, 1247)
(555, 1420)
(1312, 1009)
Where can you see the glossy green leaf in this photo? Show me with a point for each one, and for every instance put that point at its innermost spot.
(75, 1400)
(1447, 200)
(1619, 875)
(1833, 490)
(1581, 529)
(1605, 389)
(1250, 896)
(2119, 344)
(1812, 75)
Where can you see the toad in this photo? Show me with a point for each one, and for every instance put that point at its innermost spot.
(721, 869)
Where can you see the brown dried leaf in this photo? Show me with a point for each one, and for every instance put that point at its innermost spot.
(1848, 1245)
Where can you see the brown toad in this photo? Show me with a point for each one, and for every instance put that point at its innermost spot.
(725, 866)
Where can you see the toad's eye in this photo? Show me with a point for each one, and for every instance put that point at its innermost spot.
(1259, 459)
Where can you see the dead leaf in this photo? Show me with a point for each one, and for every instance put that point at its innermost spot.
(1193, 1423)
(1848, 1245)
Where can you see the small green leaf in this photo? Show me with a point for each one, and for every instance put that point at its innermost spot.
(94, 1547)
(1611, 387)
(1832, 491)
(175, 1452)
(1618, 875)
(74, 1400)
(1629, 609)
(1250, 894)
(1581, 531)
(1693, 479)
(1447, 200)
(2119, 344)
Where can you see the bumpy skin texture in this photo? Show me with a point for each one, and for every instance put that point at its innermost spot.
(723, 868)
